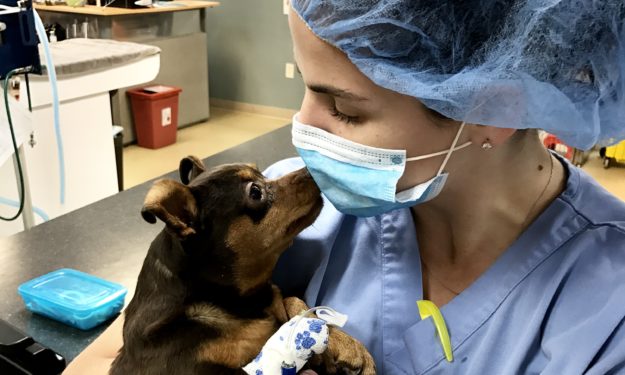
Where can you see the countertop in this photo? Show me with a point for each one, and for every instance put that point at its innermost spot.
(113, 11)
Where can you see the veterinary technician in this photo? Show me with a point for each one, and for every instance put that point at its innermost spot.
(418, 123)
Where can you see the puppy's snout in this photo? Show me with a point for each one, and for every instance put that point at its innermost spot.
(303, 177)
(305, 188)
(301, 200)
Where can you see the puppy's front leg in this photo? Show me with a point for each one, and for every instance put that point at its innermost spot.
(294, 306)
(278, 307)
(344, 353)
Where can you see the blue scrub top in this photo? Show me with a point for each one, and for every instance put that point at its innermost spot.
(553, 303)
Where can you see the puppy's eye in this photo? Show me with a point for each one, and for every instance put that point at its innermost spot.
(254, 191)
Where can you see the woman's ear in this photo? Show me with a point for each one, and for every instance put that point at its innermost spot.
(490, 136)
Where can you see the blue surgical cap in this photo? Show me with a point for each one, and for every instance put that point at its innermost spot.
(544, 64)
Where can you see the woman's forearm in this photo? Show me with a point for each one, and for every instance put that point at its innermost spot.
(96, 359)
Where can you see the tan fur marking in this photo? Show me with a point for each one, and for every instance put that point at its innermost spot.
(247, 174)
(239, 345)
(257, 251)
(277, 307)
(212, 316)
(294, 306)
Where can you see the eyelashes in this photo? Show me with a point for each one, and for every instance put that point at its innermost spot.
(343, 117)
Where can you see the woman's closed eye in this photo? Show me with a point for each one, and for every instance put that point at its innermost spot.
(336, 113)
(340, 102)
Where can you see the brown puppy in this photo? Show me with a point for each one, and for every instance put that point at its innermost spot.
(204, 302)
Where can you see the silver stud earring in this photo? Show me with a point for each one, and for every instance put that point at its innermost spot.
(486, 145)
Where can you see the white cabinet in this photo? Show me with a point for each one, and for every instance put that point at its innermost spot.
(85, 114)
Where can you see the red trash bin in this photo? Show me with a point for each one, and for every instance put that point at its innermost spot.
(155, 113)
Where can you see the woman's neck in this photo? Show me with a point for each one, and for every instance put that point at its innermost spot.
(482, 211)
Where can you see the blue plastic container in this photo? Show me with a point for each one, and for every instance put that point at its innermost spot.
(73, 297)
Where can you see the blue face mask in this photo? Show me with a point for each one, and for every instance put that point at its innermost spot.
(362, 180)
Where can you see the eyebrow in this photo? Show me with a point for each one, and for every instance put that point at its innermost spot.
(335, 91)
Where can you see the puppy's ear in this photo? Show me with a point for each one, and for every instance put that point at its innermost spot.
(190, 167)
(174, 204)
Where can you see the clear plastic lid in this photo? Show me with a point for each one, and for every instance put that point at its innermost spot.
(73, 290)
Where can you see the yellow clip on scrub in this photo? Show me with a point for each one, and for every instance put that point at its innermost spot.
(429, 309)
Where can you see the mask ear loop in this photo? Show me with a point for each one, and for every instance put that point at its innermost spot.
(453, 145)
(415, 158)
(446, 152)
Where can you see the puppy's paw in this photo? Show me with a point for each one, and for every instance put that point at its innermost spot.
(345, 355)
